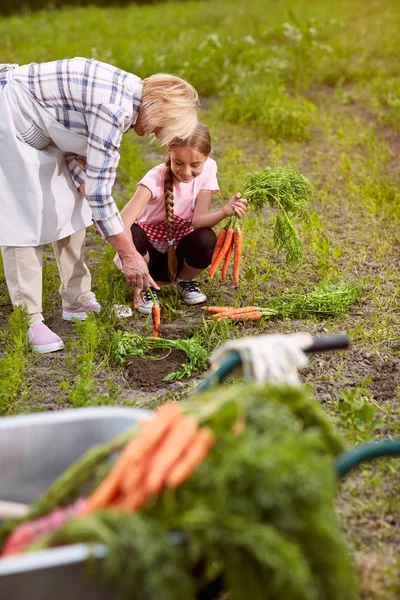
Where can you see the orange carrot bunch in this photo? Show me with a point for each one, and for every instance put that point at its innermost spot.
(243, 313)
(166, 451)
(229, 241)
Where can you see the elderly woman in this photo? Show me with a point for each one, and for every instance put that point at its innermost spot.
(60, 132)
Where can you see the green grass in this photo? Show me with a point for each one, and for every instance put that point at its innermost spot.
(314, 86)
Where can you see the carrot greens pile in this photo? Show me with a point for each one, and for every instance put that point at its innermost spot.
(125, 345)
(255, 519)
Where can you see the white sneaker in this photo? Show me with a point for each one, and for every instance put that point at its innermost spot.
(190, 293)
(146, 302)
(81, 313)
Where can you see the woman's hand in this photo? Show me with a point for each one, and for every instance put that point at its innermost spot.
(236, 204)
(137, 273)
(133, 264)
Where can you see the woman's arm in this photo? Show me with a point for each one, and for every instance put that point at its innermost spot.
(122, 242)
(134, 207)
(202, 217)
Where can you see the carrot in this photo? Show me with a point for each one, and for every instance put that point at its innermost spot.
(234, 311)
(218, 246)
(255, 315)
(149, 436)
(193, 456)
(135, 499)
(177, 441)
(238, 243)
(132, 476)
(215, 309)
(226, 261)
(224, 250)
(156, 313)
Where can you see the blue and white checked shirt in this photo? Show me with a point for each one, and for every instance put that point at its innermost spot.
(95, 100)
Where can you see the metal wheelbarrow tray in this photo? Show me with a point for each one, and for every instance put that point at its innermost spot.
(34, 451)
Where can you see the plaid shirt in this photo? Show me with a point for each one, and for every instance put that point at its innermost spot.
(98, 101)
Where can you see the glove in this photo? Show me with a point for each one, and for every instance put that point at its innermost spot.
(274, 358)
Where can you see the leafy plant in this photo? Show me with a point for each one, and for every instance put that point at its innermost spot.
(358, 412)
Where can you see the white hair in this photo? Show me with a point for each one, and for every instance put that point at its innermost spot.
(171, 104)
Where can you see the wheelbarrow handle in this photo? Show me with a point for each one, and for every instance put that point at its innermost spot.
(320, 344)
(325, 343)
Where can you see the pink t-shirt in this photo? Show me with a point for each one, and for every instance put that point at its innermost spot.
(185, 194)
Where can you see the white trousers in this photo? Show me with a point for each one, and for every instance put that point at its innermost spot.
(24, 276)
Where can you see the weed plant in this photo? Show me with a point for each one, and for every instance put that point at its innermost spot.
(13, 378)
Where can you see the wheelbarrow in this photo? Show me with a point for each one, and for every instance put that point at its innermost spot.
(36, 449)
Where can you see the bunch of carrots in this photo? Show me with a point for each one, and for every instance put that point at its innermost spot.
(230, 240)
(243, 313)
(165, 452)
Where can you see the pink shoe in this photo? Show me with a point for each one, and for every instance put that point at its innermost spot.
(42, 339)
(81, 313)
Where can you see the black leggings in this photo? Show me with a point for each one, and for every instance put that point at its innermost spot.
(196, 249)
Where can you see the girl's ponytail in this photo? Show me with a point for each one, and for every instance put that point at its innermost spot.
(169, 220)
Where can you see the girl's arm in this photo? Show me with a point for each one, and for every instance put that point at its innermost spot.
(202, 217)
(134, 207)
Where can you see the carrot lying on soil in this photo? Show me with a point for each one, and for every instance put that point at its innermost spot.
(214, 309)
(233, 311)
(226, 261)
(193, 456)
(218, 246)
(255, 315)
(238, 242)
(221, 255)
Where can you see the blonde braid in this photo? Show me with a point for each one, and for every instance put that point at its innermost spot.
(169, 220)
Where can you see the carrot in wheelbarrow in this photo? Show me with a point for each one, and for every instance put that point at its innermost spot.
(237, 253)
(148, 437)
(193, 456)
(177, 441)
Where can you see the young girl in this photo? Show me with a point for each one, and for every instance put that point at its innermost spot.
(174, 224)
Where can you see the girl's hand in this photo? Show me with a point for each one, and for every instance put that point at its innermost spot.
(236, 204)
